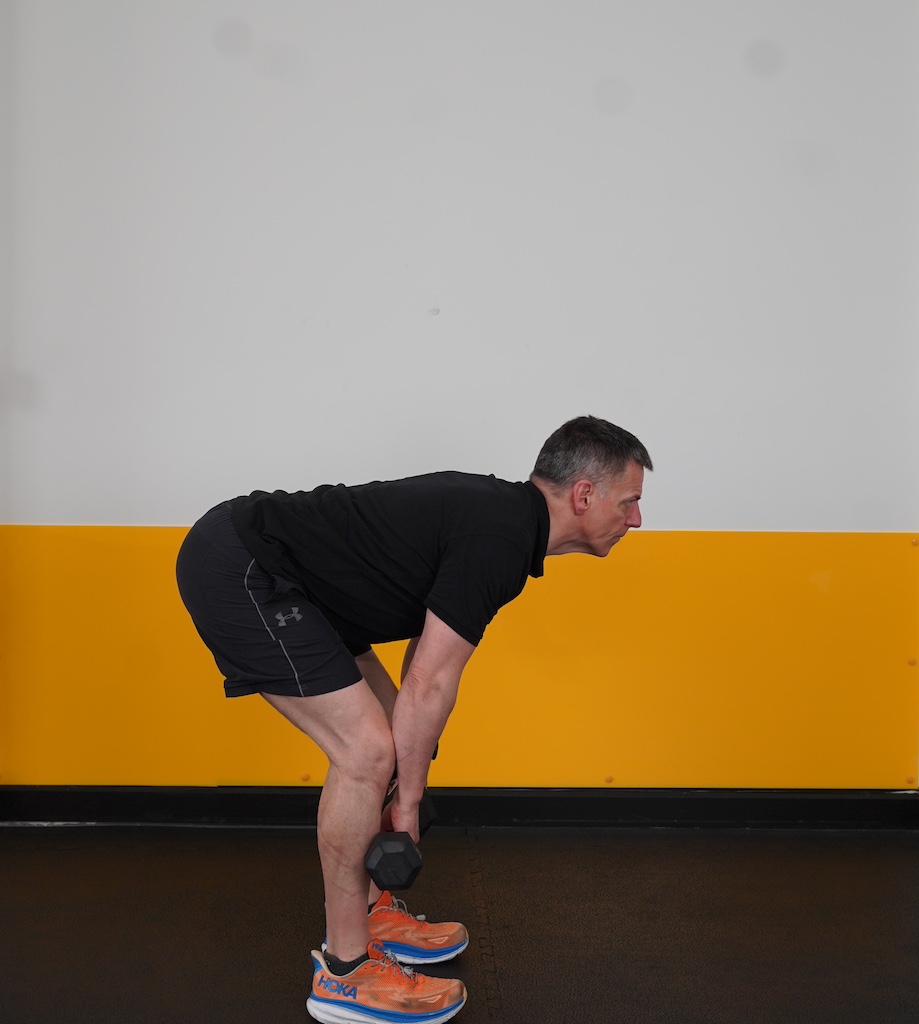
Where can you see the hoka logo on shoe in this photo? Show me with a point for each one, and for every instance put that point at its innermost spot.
(337, 988)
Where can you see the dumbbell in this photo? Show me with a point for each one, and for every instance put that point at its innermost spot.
(393, 860)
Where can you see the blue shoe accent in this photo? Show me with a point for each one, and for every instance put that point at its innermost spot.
(415, 955)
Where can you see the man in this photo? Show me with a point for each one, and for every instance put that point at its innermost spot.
(290, 592)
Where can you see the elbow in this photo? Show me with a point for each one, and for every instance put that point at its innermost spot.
(439, 688)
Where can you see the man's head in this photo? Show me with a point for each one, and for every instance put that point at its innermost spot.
(588, 448)
(591, 473)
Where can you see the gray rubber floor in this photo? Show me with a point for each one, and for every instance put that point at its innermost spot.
(131, 926)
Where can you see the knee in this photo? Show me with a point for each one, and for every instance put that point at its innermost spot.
(371, 754)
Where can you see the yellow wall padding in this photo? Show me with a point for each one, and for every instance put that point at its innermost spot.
(683, 660)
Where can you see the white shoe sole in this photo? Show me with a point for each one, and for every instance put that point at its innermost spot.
(333, 1012)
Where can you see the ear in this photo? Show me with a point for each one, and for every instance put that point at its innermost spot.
(582, 494)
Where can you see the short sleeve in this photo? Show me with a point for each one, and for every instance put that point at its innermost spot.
(476, 576)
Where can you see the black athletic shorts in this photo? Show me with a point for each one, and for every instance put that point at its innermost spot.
(263, 632)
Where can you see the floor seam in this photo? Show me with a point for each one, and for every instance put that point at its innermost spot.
(486, 946)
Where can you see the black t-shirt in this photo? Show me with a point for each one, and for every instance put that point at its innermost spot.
(372, 558)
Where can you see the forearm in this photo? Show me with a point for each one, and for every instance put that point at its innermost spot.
(420, 714)
(430, 679)
(407, 658)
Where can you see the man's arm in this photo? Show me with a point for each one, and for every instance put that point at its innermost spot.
(430, 680)
(409, 654)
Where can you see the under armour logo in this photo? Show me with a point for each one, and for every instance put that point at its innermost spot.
(294, 614)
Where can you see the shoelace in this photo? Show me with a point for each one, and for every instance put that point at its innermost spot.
(400, 907)
(389, 961)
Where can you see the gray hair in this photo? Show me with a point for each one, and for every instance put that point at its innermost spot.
(588, 448)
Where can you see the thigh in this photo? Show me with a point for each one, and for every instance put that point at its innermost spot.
(263, 632)
(349, 726)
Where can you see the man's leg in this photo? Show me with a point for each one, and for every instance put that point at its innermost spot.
(379, 681)
(350, 726)
(411, 939)
(384, 689)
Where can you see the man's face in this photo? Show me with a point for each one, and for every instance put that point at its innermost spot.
(612, 511)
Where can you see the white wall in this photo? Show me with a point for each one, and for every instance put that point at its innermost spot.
(276, 243)
(6, 251)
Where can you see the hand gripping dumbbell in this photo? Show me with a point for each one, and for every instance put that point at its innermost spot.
(393, 860)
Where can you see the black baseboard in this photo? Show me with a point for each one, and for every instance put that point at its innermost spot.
(558, 808)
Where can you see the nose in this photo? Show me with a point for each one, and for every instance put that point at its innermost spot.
(633, 519)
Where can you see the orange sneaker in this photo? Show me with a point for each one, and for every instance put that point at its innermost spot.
(412, 940)
(381, 991)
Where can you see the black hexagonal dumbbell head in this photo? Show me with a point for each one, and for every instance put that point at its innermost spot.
(393, 860)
